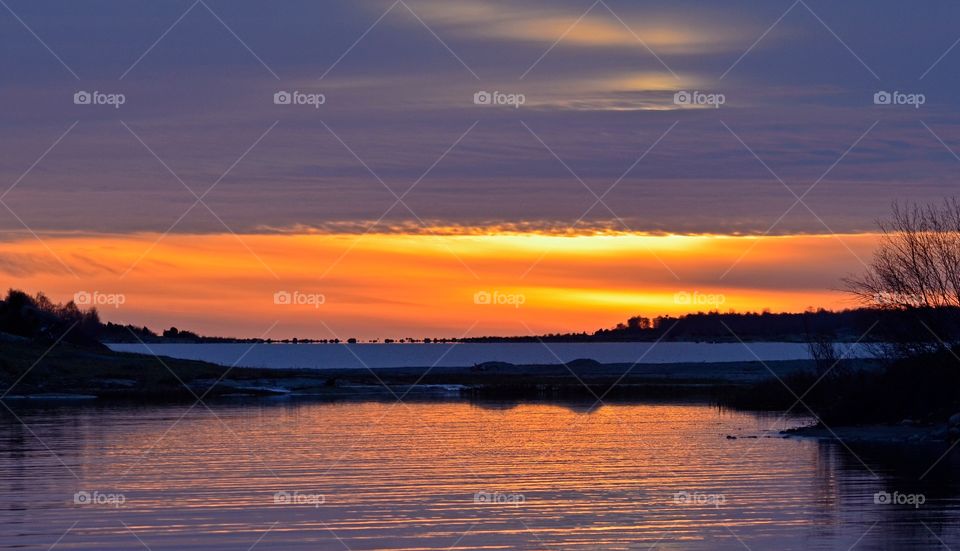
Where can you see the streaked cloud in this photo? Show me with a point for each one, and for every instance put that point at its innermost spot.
(549, 22)
(398, 285)
(798, 98)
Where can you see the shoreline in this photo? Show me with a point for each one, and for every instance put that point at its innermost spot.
(70, 374)
(28, 369)
(892, 434)
(363, 355)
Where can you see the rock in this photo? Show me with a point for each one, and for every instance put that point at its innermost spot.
(953, 434)
(491, 366)
(61, 396)
(7, 337)
(124, 383)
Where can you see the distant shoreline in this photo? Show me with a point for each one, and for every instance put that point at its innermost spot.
(363, 356)
(843, 326)
(73, 374)
(105, 374)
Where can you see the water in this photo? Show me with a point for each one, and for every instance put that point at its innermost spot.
(358, 356)
(371, 475)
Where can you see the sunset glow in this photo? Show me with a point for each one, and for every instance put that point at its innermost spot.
(479, 274)
(399, 285)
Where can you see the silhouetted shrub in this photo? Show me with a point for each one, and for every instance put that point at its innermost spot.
(36, 317)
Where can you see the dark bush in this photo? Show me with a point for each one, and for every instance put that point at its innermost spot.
(36, 317)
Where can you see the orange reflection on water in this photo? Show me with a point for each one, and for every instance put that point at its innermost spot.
(418, 475)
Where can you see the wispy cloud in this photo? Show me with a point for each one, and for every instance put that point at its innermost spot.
(545, 22)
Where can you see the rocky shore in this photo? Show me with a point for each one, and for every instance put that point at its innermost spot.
(905, 432)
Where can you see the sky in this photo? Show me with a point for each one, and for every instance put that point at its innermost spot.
(599, 195)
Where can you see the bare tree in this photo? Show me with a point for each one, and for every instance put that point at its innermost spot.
(821, 344)
(824, 353)
(915, 275)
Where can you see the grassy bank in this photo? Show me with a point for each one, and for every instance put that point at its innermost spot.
(28, 369)
(33, 369)
(921, 390)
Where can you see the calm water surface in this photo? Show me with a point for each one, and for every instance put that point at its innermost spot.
(453, 475)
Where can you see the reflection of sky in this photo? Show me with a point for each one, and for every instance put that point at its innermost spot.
(400, 98)
(603, 477)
